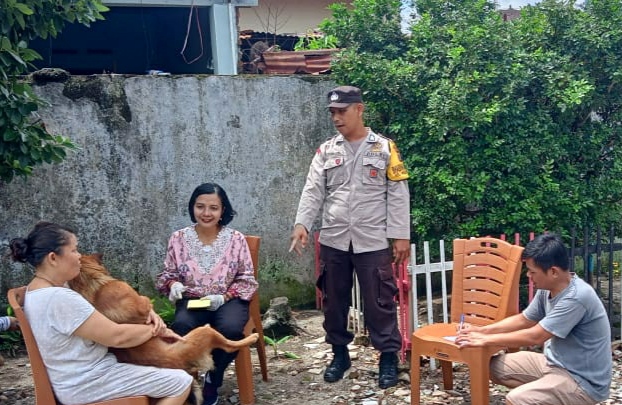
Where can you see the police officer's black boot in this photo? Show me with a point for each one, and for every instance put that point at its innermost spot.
(339, 365)
(388, 370)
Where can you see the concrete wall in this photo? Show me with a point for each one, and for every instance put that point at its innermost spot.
(147, 142)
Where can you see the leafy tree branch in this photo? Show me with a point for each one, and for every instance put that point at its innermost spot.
(24, 140)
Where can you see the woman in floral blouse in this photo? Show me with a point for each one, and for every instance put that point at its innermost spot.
(211, 262)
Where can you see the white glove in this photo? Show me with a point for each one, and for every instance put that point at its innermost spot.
(215, 301)
(177, 289)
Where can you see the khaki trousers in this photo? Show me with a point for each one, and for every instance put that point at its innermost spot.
(535, 382)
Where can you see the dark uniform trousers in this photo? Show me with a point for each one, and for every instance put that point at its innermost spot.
(378, 288)
(229, 320)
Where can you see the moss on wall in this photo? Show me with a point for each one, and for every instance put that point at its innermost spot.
(108, 93)
(300, 295)
(281, 278)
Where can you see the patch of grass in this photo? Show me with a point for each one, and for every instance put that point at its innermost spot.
(163, 307)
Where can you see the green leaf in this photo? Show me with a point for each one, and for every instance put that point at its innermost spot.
(21, 21)
(291, 355)
(283, 340)
(24, 8)
(14, 115)
(9, 135)
(5, 43)
(16, 57)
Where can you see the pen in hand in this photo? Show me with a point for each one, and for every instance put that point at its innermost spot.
(461, 323)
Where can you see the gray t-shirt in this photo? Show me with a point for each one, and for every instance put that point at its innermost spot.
(80, 370)
(581, 341)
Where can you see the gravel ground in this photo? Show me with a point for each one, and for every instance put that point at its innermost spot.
(300, 380)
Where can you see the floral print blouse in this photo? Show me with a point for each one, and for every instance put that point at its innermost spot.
(223, 267)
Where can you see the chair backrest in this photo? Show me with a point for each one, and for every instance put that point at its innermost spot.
(485, 280)
(253, 245)
(43, 387)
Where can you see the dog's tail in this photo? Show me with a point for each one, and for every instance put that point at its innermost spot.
(233, 345)
(206, 336)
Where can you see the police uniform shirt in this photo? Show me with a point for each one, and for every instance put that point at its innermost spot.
(364, 195)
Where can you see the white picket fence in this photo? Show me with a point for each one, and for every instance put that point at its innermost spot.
(355, 316)
(416, 272)
(427, 269)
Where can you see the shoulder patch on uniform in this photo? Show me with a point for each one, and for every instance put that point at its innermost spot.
(376, 147)
(396, 170)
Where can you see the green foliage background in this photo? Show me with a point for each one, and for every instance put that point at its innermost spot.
(505, 126)
(24, 140)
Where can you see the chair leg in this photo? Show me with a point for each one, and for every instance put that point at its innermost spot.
(261, 344)
(448, 374)
(244, 372)
(415, 378)
(261, 353)
(480, 375)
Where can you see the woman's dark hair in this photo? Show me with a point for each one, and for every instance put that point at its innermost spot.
(547, 250)
(45, 237)
(212, 188)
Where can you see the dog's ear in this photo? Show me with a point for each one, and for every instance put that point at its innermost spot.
(99, 257)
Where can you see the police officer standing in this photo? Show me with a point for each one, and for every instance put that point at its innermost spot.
(359, 181)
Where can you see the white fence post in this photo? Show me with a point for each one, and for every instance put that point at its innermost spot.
(441, 244)
(428, 268)
(355, 315)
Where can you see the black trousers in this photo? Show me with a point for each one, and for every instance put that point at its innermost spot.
(229, 320)
(378, 288)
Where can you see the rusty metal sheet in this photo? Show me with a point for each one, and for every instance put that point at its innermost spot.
(290, 62)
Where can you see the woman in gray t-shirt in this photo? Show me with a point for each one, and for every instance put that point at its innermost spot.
(73, 337)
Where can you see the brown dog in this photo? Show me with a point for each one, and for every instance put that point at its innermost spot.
(122, 304)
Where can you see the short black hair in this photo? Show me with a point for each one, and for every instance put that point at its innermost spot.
(212, 188)
(547, 250)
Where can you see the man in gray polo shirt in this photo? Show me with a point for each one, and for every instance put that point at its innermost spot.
(568, 319)
(359, 181)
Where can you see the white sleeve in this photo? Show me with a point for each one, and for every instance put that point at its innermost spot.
(68, 310)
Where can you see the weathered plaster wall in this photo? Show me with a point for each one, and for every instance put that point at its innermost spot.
(147, 142)
(285, 17)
